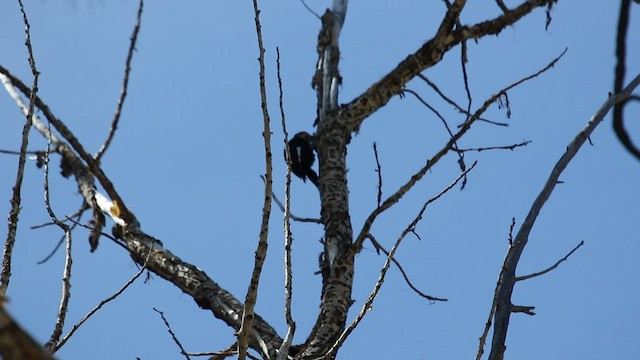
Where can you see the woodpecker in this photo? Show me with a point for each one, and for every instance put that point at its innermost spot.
(302, 157)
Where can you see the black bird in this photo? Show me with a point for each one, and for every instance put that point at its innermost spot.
(302, 157)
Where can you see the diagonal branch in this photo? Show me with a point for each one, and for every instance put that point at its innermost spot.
(427, 56)
(507, 277)
(552, 267)
(116, 209)
(185, 276)
(125, 85)
(393, 199)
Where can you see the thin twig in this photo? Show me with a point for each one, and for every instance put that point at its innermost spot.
(525, 277)
(379, 172)
(513, 225)
(216, 354)
(502, 6)
(125, 84)
(378, 246)
(283, 351)
(78, 214)
(453, 103)
(173, 335)
(310, 9)
(423, 102)
(104, 302)
(292, 216)
(16, 197)
(506, 147)
(383, 272)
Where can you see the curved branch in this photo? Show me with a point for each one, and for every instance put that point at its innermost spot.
(621, 51)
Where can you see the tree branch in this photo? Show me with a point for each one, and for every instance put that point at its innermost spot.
(261, 252)
(16, 197)
(621, 51)
(427, 56)
(552, 267)
(393, 199)
(507, 277)
(125, 84)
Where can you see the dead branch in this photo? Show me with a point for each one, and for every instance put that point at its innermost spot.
(75, 327)
(505, 147)
(620, 70)
(186, 277)
(383, 272)
(379, 172)
(507, 277)
(448, 100)
(283, 351)
(552, 267)
(246, 328)
(173, 335)
(66, 275)
(125, 85)
(395, 198)
(16, 197)
(379, 247)
(379, 94)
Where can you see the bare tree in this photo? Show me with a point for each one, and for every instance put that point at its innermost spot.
(336, 123)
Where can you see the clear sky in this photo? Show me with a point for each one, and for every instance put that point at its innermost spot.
(188, 155)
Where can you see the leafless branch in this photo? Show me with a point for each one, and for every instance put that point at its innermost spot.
(502, 6)
(16, 197)
(436, 112)
(429, 54)
(393, 199)
(378, 246)
(379, 172)
(453, 103)
(520, 278)
(383, 272)
(292, 216)
(246, 329)
(66, 275)
(506, 147)
(72, 162)
(507, 277)
(189, 278)
(125, 84)
(620, 70)
(283, 351)
(173, 335)
(513, 224)
(103, 302)
(310, 9)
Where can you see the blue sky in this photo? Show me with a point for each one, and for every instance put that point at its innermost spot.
(188, 156)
